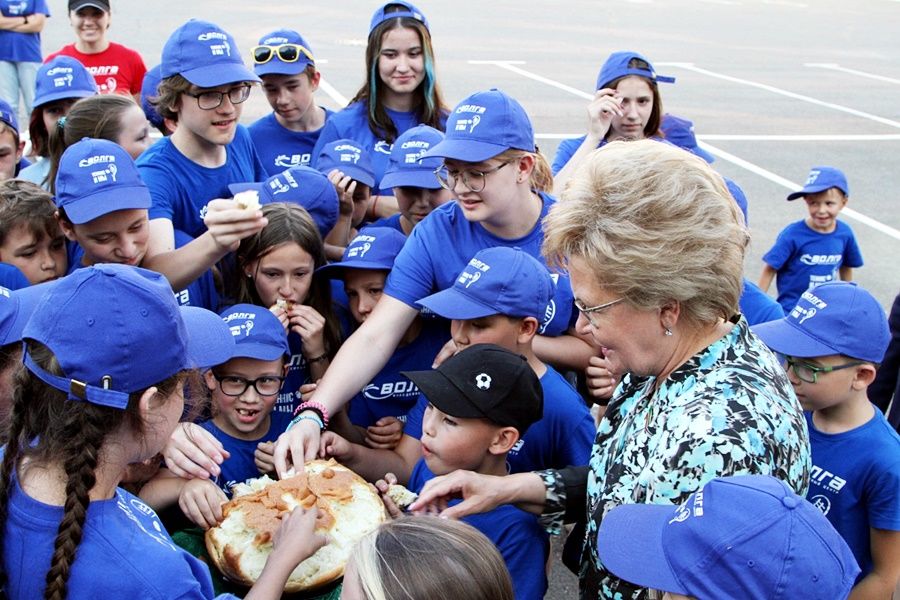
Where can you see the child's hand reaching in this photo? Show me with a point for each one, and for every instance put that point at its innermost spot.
(264, 457)
(201, 501)
(385, 433)
(334, 446)
(294, 542)
(382, 486)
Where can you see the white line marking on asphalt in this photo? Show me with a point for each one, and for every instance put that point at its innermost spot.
(836, 67)
(509, 66)
(332, 92)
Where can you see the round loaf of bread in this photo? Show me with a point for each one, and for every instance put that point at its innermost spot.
(349, 508)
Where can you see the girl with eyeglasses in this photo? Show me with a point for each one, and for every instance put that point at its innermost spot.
(204, 85)
(399, 93)
(498, 180)
(285, 137)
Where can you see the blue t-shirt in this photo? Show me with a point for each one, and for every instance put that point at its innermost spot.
(442, 244)
(17, 46)
(180, 188)
(562, 438)
(353, 123)
(391, 221)
(855, 481)
(125, 552)
(566, 150)
(390, 394)
(289, 398)
(805, 258)
(12, 278)
(279, 148)
(239, 467)
(757, 306)
(519, 538)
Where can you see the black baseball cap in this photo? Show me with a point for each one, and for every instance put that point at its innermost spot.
(485, 381)
(75, 5)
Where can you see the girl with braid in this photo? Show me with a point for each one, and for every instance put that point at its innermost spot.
(108, 354)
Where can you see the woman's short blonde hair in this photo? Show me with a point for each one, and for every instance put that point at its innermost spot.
(429, 557)
(654, 224)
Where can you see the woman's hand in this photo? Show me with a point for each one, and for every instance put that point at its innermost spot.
(479, 493)
(228, 224)
(281, 314)
(194, 452)
(296, 446)
(201, 501)
(385, 434)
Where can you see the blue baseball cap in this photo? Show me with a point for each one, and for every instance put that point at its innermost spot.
(680, 132)
(407, 166)
(484, 125)
(276, 66)
(300, 185)
(616, 67)
(349, 157)
(747, 536)
(838, 317)
(258, 334)
(739, 197)
(116, 330)
(497, 281)
(8, 116)
(821, 179)
(375, 248)
(204, 54)
(62, 77)
(16, 307)
(401, 9)
(150, 89)
(97, 177)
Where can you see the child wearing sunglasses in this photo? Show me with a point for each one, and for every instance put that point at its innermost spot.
(203, 87)
(244, 389)
(285, 138)
(833, 340)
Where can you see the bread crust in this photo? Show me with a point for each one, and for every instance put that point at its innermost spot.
(349, 508)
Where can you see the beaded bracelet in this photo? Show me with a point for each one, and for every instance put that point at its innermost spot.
(317, 408)
(312, 417)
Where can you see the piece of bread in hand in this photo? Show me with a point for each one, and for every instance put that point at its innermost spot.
(285, 305)
(401, 496)
(247, 200)
(349, 508)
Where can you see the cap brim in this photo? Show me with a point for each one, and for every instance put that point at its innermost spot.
(209, 342)
(443, 395)
(352, 172)
(453, 304)
(419, 178)
(336, 270)
(88, 208)
(466, 150)
(26, 299)
(256, 351)
(784, 337)
(277, 67)
(812, 189)
(210, 76)
(237, 188)
(630, 545)
(63, 95)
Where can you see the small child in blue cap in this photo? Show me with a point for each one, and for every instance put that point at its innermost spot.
(833, 341)
(746, 536)
(818, 249)
(413, 178)
(286, 137)
(243, 391)
(107, 355)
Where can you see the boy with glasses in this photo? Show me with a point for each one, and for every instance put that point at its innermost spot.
(244, 390)
(833, 340)
(285, 138)
(203, 87)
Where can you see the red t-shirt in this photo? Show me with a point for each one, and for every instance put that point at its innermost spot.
(117, 70)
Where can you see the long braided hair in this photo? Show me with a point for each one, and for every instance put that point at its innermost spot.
(46, 428)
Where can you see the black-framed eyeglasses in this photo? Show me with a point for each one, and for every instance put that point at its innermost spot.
(232, 385)
(472, 179)
(285, 52)
(588, 311)
(810, 373)
(211, 100)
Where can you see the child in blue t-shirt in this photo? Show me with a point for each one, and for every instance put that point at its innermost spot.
(833, 341)
(243, 391)
(285, 137)
(413, 179)
(30, 237)
(817, 249)
(381, 405)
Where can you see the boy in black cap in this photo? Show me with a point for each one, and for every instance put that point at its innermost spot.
(481, 402)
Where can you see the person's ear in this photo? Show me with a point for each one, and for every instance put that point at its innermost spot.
(314, 80)
(865, 375)
(668, 315)
(209, 379)
(149, 403)
(67, 228)
(504, 439)
(528, 328)
(20, 150)
(524, 167)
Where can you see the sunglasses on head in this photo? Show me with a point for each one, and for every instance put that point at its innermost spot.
(286, 53)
